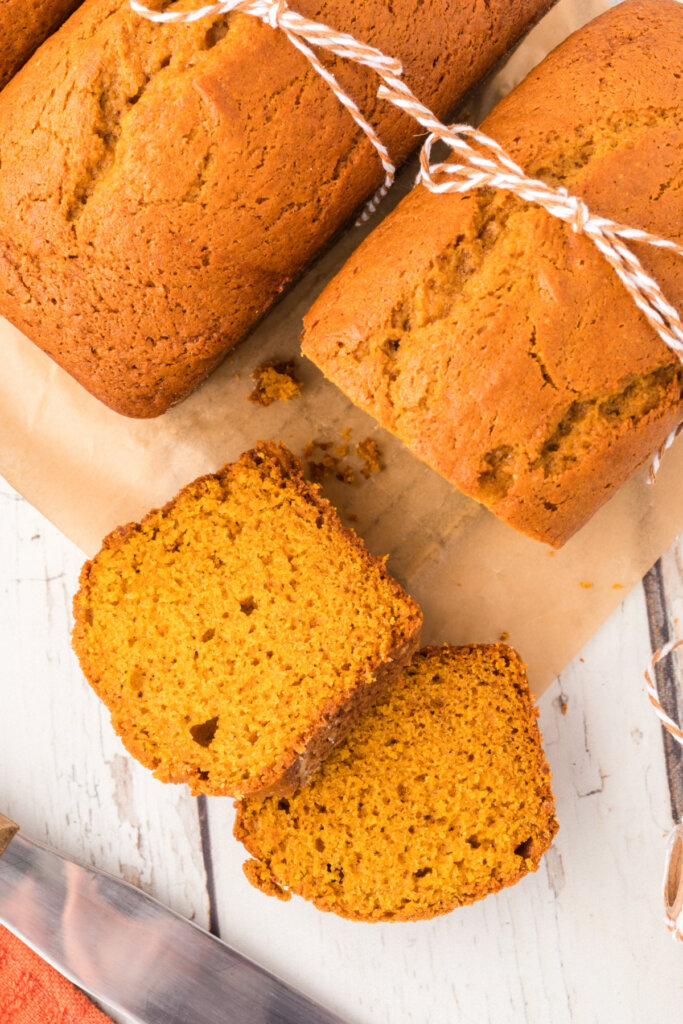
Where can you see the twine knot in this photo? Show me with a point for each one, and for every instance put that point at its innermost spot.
(275, 13)
(580, 215)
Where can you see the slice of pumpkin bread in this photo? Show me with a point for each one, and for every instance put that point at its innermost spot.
(238, 633)
(438, 797)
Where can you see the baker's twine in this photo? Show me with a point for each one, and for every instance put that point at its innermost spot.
(673, 883)
(486, 166)
(653, 696)
(673, 868)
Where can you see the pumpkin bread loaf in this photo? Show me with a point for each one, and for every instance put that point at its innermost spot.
(237, 633)
(498, 345)
(439, 796)
(24, 24)
(161, 185)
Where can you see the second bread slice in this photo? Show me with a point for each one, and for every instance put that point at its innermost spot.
(238, 633)
(440, 796)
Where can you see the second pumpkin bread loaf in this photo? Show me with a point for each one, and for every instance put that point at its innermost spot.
(498, 345)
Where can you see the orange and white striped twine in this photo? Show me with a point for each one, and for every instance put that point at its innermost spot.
(487, 165)
(673, 869)
(672, 727)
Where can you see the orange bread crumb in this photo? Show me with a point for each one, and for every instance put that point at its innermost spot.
(439, 796)
(238, 633)
(369, 452)
(275, 382)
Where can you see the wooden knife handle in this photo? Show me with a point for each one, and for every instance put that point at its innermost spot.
(8, 829)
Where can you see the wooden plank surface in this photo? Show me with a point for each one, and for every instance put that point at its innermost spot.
(663, 587)
(581, 940)
(64, 776)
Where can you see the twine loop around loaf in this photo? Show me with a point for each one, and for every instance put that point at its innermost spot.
(489, 166)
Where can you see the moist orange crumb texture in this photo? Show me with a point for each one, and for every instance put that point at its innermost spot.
(439, 796)
(237, 633)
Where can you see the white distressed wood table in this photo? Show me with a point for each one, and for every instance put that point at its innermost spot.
(581, 940)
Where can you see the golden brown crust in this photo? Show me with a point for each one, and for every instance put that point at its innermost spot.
(499, 346)
(24, 24)
(279, 837)
(336, 715)
(207, 160)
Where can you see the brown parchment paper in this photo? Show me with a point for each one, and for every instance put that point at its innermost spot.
(88, 469)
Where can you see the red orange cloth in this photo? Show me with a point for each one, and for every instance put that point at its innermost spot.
(32, 992)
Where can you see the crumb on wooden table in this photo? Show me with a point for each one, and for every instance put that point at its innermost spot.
(275, 382)
(586, 584)
(503, 636)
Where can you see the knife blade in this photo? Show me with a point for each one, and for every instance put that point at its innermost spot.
(131, 952)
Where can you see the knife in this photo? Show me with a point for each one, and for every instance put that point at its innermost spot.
(129, 951)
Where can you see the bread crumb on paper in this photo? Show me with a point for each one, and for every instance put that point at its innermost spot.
(275, 382)
(369, 451)
(328, 459)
